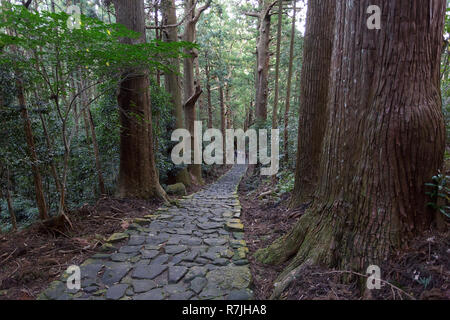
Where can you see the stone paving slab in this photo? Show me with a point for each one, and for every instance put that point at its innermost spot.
(194, 250)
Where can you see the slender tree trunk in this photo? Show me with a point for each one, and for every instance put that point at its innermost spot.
(172, 80)
(158, 37)
(82, 108)
(263, 60)
(53, 169)
(198, 82)
(228, 109)
(208, 91)
(287, 104)
(250, 114)
(137, 174)
(246, 122)
(385, 138)
(223, 118)
(101, 183)
(75, 106)
(40, 198)
(277, 66)
(317, 51)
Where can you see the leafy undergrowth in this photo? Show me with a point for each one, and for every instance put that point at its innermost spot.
(421, 272)
(33, 257)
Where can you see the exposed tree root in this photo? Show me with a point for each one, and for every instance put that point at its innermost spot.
(282, 249)
(57, 224)
(281, 286)
(325, 236)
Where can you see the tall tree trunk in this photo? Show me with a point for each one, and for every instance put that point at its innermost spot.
(189, 83)
(208, 91)
(40, 198)
(317, 51)
(137, 174)
(263, 60)
(190, 88)
(75, 105)
(287, 104)
(228, 109)
(385, 138)
(246, 122)
(101, 183)
(277, 67)
(53, 169)
(157, 37)
(223, 118)
(198, 82)
(82, 109)
(172, 80)
(250, 115)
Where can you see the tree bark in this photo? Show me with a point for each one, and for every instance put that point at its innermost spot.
(98, 166)
(228, 109)
(157, 37)
(172, 80)
(263, 60)
(53, 168)
(208, 91)
(277, 66)
(384, 139)
(189, 84)
(39, 190)
(198, 82)
(287, 104)
(137, 174)
(317, 51)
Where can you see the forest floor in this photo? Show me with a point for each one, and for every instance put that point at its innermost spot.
(421, 272)
(32, 258)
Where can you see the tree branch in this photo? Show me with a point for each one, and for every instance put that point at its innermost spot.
(192, 100)
(26, 4)
(269, 7)
(174, 25)
(252, 14)
(200, 11)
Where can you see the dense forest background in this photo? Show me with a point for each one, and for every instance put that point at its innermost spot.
(226, 39)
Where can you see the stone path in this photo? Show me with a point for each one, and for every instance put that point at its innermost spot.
(191, 251)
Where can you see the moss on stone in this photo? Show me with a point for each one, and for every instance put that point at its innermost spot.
(116, 237)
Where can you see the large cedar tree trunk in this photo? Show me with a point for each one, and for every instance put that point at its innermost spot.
(137, 176)
(223, 119)
(317, 51)
(384, 139)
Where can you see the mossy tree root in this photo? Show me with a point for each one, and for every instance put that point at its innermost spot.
(282, 249)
